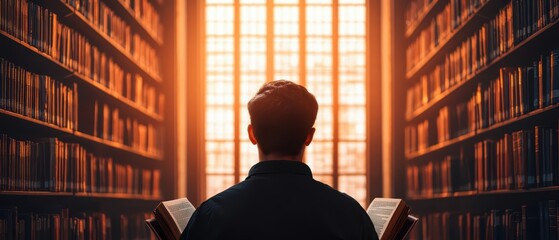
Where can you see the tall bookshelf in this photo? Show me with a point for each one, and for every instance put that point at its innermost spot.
(86, 133)
(480, 117)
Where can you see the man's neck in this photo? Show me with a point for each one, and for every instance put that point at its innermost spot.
(273, 156)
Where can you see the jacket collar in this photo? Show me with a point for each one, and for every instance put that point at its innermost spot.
(280, 167)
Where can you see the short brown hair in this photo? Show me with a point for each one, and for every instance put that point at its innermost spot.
(282, 113)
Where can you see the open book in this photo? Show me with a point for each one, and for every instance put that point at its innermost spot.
(390, 217)
(171, 218)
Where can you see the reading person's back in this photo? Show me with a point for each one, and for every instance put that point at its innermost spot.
(280, 199)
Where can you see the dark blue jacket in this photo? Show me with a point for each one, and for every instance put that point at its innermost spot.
(280, 200)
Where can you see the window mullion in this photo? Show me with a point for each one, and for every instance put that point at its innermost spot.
(237, 89)
(335, 90)
(269, 40)
(302, 43)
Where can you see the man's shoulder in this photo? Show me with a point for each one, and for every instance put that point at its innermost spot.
(341, 196)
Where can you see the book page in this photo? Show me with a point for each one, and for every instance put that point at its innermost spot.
(180, 211)
(381, 211)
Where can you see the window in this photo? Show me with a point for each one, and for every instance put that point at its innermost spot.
(317, 43)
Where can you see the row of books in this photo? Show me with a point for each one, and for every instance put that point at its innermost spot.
(440, 28)
(147, 15)
(517, 91)
(74, 50)
(532, 15)
(518, 160)
(50, 164)
(134, 226)
(108, 22)
(415, 10)
(41, 28)
(38, 96)
(109, 123)
(457, 66)
(537, 220)
(496, 36)
(416, 138)
(522, 159)
(111, 75)
(454, 173)
(17, 224)
(101, 16)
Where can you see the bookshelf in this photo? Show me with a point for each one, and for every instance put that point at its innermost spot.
(84, 92)
(480, 117)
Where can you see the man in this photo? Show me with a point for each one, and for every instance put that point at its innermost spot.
(279, 199)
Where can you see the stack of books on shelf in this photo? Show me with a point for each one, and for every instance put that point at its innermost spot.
(73, 50)
(17, 224)
(99, 143)
(522, 159)
(417, 9)
(147, 15)
(481, 108)
(493, 39)
(38, 96)
(50, 164)
(516, 92)
(537, 220)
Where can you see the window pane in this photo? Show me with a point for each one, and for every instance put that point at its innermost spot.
(219, 123)
(286, 1)
(253, 20)
(219, 63)
(352, 20)
(352, 89)
(319, 20)
(354, 186)
(326, 179)
(245, 121)
(253, 1)
(217, 183)
(351, 157)
(352, 123)
(218, 157)
(324, 124)
(319, 157)
(351, 2)
(219, 90)
(286, 20)
(249, 157)
(219, 20)
(219, 45)
(208, 2)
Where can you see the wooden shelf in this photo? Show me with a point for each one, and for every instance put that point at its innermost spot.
(18, 49)
(553, 110)
(520, 50)
(119, 196)
(116, 96)
(475, 193)
(81, 195)
(35, 193)
(76, 135)
(11, 116)
(61, 72)
(135, 23)
(79, 23)
(115, 146)
(428, 14)
(445, 46)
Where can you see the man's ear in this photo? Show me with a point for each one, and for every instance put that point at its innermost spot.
(250, 131)
(309, 137)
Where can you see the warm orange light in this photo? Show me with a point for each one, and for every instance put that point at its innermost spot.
(341, 121)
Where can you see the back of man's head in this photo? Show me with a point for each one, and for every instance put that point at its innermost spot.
(282, 114)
